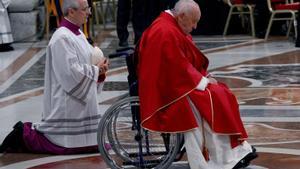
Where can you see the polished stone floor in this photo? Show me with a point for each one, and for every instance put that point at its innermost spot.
(264, 75)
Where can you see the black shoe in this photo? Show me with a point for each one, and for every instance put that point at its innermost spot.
(13, 142)
(243, 163)
(5, 48)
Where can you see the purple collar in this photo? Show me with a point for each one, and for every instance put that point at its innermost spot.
(71, 26)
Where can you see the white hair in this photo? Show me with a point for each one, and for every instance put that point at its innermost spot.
(185, 6)
(67, 4)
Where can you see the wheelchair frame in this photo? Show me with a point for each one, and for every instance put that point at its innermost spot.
(131, 145)
(141, 148)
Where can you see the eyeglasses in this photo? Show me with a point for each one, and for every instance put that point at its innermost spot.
(87, 9)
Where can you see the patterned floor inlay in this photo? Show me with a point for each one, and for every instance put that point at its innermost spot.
(264, 76)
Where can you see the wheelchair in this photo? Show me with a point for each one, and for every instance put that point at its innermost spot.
(131, 145)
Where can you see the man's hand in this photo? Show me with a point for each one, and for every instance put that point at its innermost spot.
(103, 65)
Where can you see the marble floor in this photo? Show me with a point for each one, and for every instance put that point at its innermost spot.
(264, 75)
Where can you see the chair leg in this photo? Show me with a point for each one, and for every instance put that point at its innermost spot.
(114, 13)
(269, 26)
(103, 14)
(109, 11)
(292, 21)
(227, 21)
(252, 20)
(96, 15)
(289, 28)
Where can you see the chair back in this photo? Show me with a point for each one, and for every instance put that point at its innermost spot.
(240, 3)
(273, 3)
(237, 2)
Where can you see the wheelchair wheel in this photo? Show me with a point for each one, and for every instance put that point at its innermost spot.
(131, 146)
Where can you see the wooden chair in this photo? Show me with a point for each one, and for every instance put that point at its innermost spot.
(279, 7)
(238, 7)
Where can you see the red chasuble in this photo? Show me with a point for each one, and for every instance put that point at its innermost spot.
(170, 68)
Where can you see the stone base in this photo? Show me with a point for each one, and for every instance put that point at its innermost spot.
(22, 5)
(24, 25)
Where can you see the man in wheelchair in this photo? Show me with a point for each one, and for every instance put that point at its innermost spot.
(177, 94)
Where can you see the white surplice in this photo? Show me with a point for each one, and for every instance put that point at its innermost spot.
(5, 29)
(70, 114)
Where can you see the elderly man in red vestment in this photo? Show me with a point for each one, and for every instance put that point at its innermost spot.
(177, 94)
